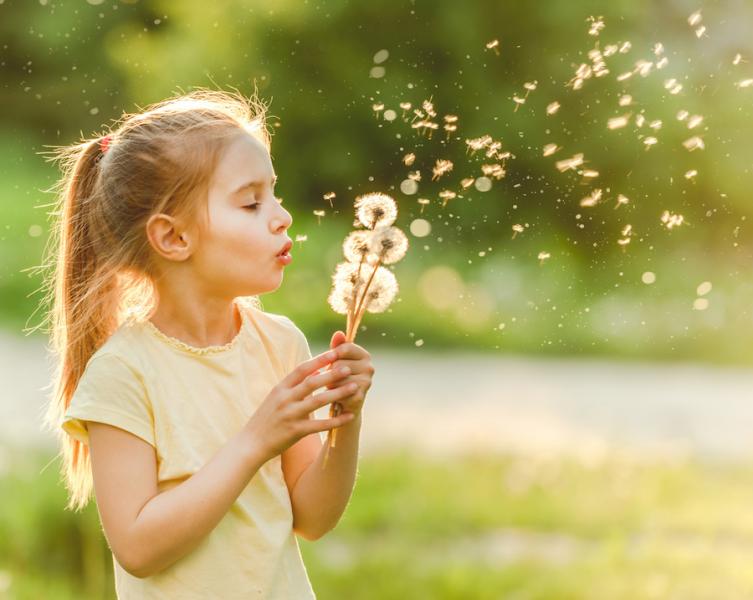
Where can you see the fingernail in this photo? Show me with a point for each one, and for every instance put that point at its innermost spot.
(345, 370)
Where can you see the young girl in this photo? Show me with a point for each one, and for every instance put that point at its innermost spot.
(185, 406)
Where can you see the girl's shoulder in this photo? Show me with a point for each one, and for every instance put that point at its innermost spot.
(271, 324)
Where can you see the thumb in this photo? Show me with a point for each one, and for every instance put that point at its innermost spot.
(337, 338)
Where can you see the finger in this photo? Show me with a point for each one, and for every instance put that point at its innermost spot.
(307, 367)
(314, 382)
(314, 402)
(316, 425)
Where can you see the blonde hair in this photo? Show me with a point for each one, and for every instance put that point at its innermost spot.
(100, 265)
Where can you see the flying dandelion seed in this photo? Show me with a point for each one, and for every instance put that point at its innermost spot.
(625, 100)
(700, 304)
(441, 167)
(627, 230)
(682, 115)
(639, 120)
(618, 122)
(621, 200)
(597, 24)
(301, 238)
(662, 62)
(694, 121)
(738, 59)
(467, 182)
(450, 128)
(530, 86)
(625, 48)
(543, 256)
(569, 163)
(516, 229)
(589, 173)
(377, 107)
(476, 144)
(319, 214)
(497, 171)
(650, 141)
(518, 101)
(550, 149)
(704, 288)
(493, 45)
(428, 106)
(745, 83)
(483, 184)
(655, 124)
(592, 199)
(409, 159)
(408, 186)
(700, 31)
(610, 49)
(643, 67)
(405, 107)
(446, 196)
(552, 108)
(695, 18)
(624, 76)
(694, 143)
(415, 175)
(328, 197)
(658, 49)
(423, 202)
(671, 220)
(691, 174)
(450, 118)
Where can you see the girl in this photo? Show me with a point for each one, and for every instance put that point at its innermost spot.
(185, 406)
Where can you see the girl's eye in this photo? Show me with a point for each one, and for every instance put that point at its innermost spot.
(252, 206)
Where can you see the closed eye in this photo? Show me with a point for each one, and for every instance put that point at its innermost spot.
(251, 206)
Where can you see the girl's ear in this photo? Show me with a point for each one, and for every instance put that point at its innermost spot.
(164, 238)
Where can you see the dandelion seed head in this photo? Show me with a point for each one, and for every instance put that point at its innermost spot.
(375, 209)
(356, 245)
(381, 292)
(389, 244)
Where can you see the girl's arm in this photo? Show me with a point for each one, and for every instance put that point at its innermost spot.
(148, 531)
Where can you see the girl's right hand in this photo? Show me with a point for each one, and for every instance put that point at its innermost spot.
(283, 417)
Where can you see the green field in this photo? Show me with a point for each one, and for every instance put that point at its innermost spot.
(481, 527)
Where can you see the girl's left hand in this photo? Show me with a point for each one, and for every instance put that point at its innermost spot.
(361, 371)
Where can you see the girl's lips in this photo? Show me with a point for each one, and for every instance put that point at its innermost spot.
(285, 258)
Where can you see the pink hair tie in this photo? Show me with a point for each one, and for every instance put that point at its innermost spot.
(104, 143)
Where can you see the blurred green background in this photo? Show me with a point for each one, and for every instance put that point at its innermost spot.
(69, 68)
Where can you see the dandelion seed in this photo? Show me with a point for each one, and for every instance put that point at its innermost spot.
(694, 121)
(387, 244)
(650, 141)
(569, 163)
(543, 256)
(610, 49)
(700, 31)
(377, 107)
(623, 241)
(405, 106)
(301, 238)
(497, 171)
(618, 122)
(414, 175)
(329, 196)
(643, 67)
(450, 128)
(640, 120)
(627, 230)
(662, 62)
(624, 76)
(319, 214)
(375, 209)
(446, 196)
(409, 159)
(589, 173)
(694, 143)
(441, 167)
(476, 144)
(493, 45)
(592, 199)
(695, 18)
(658, 49)
(518, 101)
(423, 202)
(656, 124)
(682, 115)
(621, 200)
(625, 100)
(671, 220)
(450, 118)
(691, 174)
(516, 229)
(552, 108)
(493, 149)
(550, 149)
(625, 48)
(700, 304)
(428, 106)
(703, 288)
(530, 85)
(745, 83)
(467, 182)
(738, 59)
(597, 24)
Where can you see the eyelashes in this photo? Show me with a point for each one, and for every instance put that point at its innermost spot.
(251, 206)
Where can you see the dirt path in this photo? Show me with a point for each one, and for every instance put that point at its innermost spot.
(457, 402)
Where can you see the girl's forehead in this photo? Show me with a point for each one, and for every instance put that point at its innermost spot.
(246, 159)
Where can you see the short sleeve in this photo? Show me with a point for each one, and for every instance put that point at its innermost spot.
(110, 391)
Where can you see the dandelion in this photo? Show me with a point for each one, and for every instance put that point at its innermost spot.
(516, 229)
(353, 292)
(375, 209)
(569, 163)
(543, 256)
(409, 159)
(550, 149)
(592, 199)
(441, 167)
(618, 122)
(694, 143)
(694, 121)
(671, 220)
(621, 200)
(493, 45)
(319, 214)
(328, 196)
(446, 196)
(552, 108)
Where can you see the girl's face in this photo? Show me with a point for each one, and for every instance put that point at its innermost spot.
(238, 255)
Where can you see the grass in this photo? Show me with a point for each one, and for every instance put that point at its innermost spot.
(475, 526)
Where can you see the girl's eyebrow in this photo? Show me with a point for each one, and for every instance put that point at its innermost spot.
(250, 184)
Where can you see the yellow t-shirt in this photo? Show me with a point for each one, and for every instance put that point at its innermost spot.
(187, 402)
